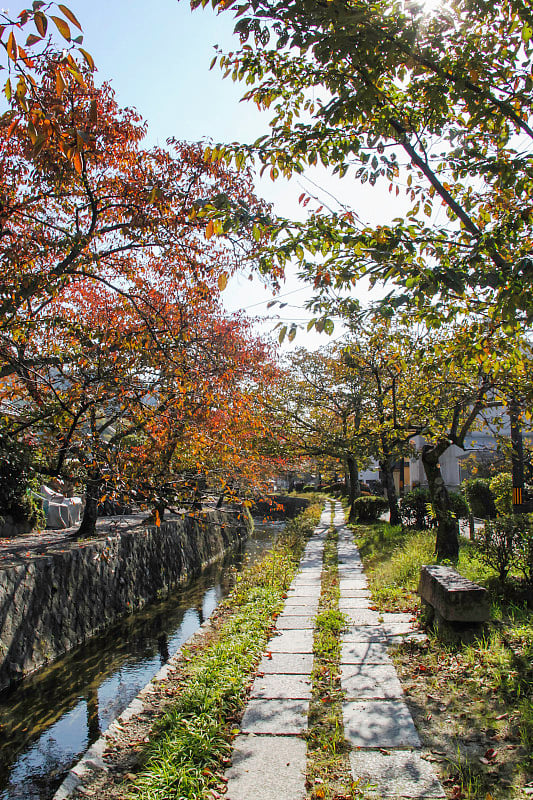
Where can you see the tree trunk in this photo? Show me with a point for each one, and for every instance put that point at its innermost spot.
(158, 513)
(354, 489)
(447, 543)
(387, 468)
(87, 528)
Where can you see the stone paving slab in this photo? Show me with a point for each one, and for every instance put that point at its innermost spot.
(402, 773)
(304, 591)
(348, 584)
(300, 611)
(276, 717)
(348, 593)
(292, 642)
(295, 601)
(296, 586)
(365, 633)
(286, 663)
(289, 622)
(291, 687)
(266, 767)
(365, 653)
(383, 633)
(309, 573)
(301, 608)
(361, 616)
(370, 681)
(379, 723)
(390, 618)
(353, 602)
(399, 630)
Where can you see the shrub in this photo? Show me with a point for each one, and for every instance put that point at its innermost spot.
(458, 506)
(501, 487)
(500, 542)
(479, 497)
(338, 489)
(369, 508)
(524, 559)
(414, 509)
(17, 482)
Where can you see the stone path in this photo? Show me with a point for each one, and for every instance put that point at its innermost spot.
(269, 758)
(386, 749)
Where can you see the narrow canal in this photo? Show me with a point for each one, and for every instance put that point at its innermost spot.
(50, 719)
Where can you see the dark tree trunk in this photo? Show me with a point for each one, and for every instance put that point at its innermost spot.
(517, 456)
(158, 513)
(93, 490)
(354, 489)
(387, 468)
(447, 544)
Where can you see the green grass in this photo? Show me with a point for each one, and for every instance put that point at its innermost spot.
(185, 757)
(392, 561)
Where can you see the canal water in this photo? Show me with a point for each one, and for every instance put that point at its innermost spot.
(50, 719)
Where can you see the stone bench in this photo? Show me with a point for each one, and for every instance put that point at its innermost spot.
(452, 598)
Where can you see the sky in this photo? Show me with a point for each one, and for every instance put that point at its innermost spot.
(157, 55)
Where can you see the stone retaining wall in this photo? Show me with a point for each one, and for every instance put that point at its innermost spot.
(62, 597)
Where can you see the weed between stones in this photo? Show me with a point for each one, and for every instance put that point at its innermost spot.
(328, 767)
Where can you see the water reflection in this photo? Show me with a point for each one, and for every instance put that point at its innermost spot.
(48, 721)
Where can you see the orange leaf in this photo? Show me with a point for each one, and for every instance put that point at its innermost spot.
(12, 47)
(62, 27)
(60, 83)
(12, 127)
(32, 39)
(77, 163)
(222, 281)
(69, 15)
(210, 229)
(88, 58)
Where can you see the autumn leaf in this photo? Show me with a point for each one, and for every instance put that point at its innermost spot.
(62, 27)
(88, 58)
(222, 281)
(69, 15)
(41, 22)
(12, 47)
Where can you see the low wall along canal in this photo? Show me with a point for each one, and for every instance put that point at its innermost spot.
(48, 720)
(52, 601)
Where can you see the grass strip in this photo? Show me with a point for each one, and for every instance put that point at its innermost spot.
(328, 767)
(191, 744)
(472, 702)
